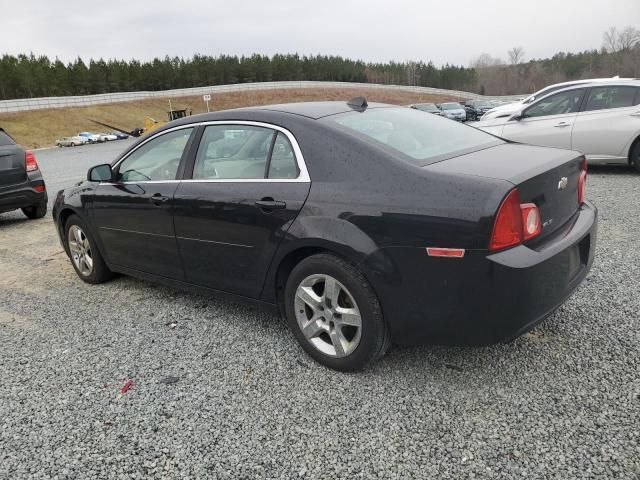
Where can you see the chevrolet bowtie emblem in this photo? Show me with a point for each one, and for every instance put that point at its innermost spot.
(562, 184)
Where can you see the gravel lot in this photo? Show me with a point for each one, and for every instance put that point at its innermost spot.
(223, 391)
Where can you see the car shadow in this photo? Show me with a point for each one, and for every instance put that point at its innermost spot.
(610, 169)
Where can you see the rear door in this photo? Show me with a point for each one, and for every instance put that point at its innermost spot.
(548, 122)
(247, 184)
(609, 121)
(134, 214)
(12, 163)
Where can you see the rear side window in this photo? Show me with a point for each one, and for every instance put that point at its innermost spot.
(5, 139)
(421, 139)
(601, 98)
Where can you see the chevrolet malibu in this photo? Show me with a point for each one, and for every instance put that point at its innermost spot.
(363, 224)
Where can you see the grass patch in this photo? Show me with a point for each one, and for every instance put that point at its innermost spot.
(41, 128)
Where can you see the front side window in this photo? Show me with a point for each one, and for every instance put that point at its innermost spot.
(601, 98)
(421, 139)
(558, 104)
(244, 152)
(156, 160)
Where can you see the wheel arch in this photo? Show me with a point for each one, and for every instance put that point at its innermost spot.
(632, 148)
(282, 268)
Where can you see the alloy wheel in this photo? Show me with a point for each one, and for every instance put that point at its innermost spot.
(80, 249)
(328, 315)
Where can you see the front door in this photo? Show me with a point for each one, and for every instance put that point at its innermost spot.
(548, 122)
(246, 189)
(134, 213)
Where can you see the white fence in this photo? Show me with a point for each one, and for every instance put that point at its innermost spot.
(85, 100)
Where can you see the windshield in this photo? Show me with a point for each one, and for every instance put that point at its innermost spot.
(482, 104)
(451, 106)
(421, 139)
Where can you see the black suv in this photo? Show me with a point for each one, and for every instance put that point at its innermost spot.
(476, 108)
(21, 183)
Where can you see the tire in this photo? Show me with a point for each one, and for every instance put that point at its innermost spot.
(72, 144)
(36, 211)
(80, 247)
(327, 322)
(635, 157)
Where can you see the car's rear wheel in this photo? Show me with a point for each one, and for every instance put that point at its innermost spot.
(36, 211)
(73, 144)
(84, 255)
(635, 157)
(334, 313)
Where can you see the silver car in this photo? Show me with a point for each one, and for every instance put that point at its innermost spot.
(601, 120)
(71, 141)
(454, 111)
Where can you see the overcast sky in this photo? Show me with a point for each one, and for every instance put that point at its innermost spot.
(453, 31)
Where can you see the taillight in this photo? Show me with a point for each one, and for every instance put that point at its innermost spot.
(30, 163)
(515, 222)
(582, 181)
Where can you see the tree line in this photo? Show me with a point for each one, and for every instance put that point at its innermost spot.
(28, 76)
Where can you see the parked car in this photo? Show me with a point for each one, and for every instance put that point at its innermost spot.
(71, 141)
(91, 137)
(21, 183)
(427, 107)
(120, 135)
(107, 137)
(505, 111)
(602, 120)
(478, 246)
(476, 108)
(453, 111)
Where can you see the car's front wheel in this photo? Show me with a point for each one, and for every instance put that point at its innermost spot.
(335, 314)
(83, 252)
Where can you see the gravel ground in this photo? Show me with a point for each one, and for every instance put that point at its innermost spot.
(218, 390)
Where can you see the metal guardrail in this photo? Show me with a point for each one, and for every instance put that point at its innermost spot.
(86, 100)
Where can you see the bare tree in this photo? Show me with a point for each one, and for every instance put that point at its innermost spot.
(516, 55)
(610, 40)
(628, 38)
(412, 73)
(485, 61)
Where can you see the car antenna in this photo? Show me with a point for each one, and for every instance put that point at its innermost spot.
(358, 103)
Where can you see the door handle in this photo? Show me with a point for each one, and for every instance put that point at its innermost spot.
(562, 124)
(158, 199)
(269, 203)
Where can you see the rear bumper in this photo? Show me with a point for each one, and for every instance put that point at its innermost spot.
(22, 195)
(482, 298)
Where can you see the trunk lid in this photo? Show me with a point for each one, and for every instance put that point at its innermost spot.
(547, 177)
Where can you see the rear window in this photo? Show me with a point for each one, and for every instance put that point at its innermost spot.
(421, 139)
(5, 139)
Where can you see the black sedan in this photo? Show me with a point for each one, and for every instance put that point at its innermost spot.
(363, 224)
(21, 183)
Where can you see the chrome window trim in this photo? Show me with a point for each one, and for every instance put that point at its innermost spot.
(303, 176)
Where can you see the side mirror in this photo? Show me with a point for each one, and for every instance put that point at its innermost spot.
(517, 116)
(100, 173)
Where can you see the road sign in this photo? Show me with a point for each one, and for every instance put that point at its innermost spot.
(206, 97)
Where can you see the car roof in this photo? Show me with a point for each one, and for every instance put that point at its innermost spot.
(314, 110)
